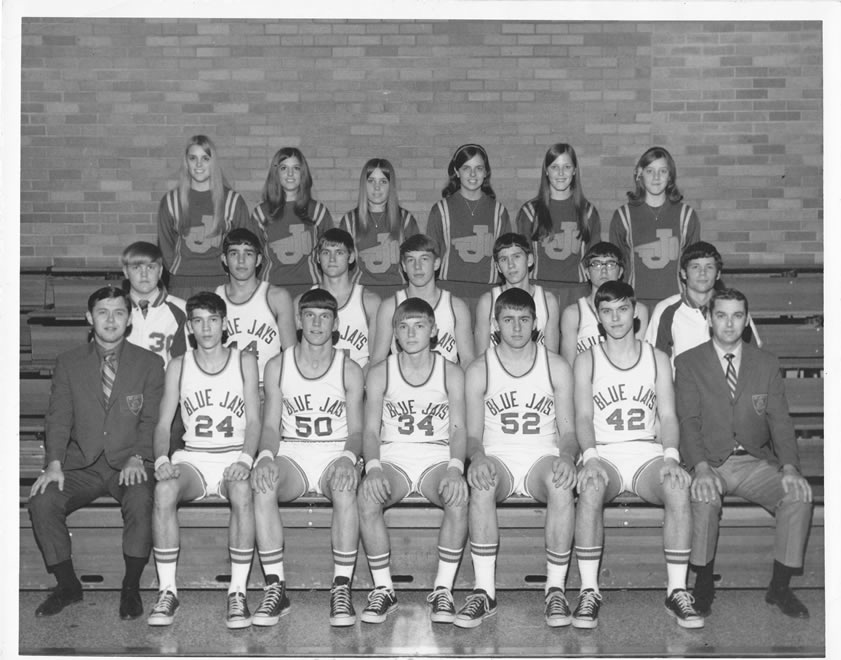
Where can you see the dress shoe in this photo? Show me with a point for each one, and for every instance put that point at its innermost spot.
(788, 603)
(57, 601)
(131, 607)
(703, 601)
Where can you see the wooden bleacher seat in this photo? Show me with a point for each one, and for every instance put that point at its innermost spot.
(776, 292)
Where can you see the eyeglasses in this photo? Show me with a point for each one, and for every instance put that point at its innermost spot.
(603, 265)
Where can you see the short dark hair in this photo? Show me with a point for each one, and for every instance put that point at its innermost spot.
(514, 298)
(208, 301)
(142, 250)
(320, 299)
(614, 290)
(603, 249)
(511, 239)
(700, 250)
(241, 236)
(418, 243)
(334, 236)
(108, 293)
(728, 294)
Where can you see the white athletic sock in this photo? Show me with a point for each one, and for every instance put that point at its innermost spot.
(448, 559)
(166, 560)
(380, 566)
(677, 564)
(343, 563)
(557, 565)
(240, 567)
(272, 561)
(484, 566)
(588, 566)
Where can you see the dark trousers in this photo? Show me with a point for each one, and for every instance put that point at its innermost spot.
(49, 510)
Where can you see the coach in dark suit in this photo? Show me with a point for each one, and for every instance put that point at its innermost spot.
(737, 437)
(103, 410)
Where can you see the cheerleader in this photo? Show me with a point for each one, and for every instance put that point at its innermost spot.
(194, 217)
(654, 227)
(561, 223)
(465, 224)
(378, 226)
(290, 222)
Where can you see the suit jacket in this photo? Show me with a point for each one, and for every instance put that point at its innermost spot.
(81, 424)
(712, 424)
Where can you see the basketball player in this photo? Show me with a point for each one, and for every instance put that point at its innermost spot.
(260, 317)
(621, 387)
(158, 319)
(514, 259)
(420, 262)
(414, 442)
(680, 322)
(521, 440)
(336, 259)
(603, 262)
(220, 408)
(311, 441)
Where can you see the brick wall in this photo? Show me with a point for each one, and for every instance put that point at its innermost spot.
(108, 104)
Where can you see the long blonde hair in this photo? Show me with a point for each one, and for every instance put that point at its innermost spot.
(218, 184)
(392, 207)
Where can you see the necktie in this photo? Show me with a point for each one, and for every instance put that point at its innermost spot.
(144, 307)
(109, 373)
(730, 375)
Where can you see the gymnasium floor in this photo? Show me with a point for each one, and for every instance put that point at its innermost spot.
(632, 623)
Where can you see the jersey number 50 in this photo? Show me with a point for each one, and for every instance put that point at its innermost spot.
(304, 426)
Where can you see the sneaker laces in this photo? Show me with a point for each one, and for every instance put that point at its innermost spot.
(684, 601)
(166, 602)
(474, 604)
(441, 599)
(377, 599)
(236, 604)
(271, 598)
(340, 599)
(587, 603)
(556, 604)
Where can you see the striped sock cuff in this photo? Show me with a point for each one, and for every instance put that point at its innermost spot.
(591, 553)
(558, 558)
(166, 555)
(344, 558)
(378, 562)
(241, 555)
(484, 549)
(450, 555)
(677, 556)
(271, 556)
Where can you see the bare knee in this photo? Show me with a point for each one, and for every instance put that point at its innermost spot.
(240, 494)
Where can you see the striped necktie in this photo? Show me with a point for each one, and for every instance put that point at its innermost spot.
(730, 375)
(109, 373)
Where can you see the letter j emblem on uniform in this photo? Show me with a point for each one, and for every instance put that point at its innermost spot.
(760, 403)
(134, 403)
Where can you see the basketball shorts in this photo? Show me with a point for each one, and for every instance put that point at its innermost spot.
(414, 460)
(311, 459)
(629, 459)
(210, 467)
(518, 461)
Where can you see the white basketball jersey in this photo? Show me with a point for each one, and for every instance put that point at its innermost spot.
(313, 408)
(541, 317)
(445, 321)
(252, 326)
(624, 400)
(416, 413)
(588, 326)
(519, 409)
(353, 327)
(212, 405)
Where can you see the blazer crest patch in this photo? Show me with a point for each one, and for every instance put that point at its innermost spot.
(760, 403)
(134, 403)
